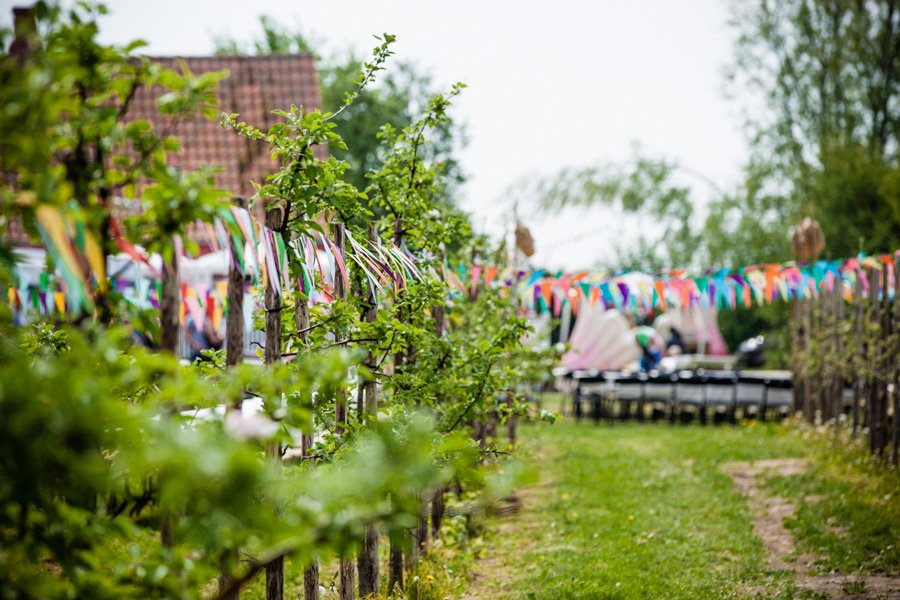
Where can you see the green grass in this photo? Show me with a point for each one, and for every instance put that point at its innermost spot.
(848, 508)
(644, 511)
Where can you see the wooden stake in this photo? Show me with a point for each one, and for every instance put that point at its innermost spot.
(437, 501)
(797, 390)
(367, 564)
(395, 563)
(858, 379)
(272, 356)
(872, 409)
(884, 364)
(809, 326)
(895, 371)
(234, 321)
(347, 568)
(234, 355)
(395, 552)
(301, 323)
(840, 370)
(340, 291)
(824, 377)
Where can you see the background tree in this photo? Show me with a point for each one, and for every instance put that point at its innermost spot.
(396, 99)
(827, 139)
(646, 187)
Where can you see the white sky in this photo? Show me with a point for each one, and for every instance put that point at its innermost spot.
(551, 85)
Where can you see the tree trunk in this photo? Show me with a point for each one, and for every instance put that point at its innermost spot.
(272, 355)
(168, 307)
(169, 327)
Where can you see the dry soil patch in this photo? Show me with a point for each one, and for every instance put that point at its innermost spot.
(769, 513)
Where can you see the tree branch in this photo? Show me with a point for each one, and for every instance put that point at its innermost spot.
(477, 397)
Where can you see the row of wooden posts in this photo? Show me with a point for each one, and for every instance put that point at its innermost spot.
(846, 358)
(366, 565)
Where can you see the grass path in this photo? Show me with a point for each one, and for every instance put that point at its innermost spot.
(646, 511)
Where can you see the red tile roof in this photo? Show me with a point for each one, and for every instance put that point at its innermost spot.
(255, 87)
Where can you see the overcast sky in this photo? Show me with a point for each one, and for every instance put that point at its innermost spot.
(550, 85)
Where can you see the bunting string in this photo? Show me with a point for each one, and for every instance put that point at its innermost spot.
(643, 293)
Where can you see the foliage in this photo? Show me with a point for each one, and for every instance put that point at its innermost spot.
(82, 468)
(65, 134)
(105, 442)
(462, 373)
(396, 99)
(648, 187)
(829, 73)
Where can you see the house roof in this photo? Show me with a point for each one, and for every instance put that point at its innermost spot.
(255, 87)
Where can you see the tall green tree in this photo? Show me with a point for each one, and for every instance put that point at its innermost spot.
(645, 186)
(395, 99)
(828, 135)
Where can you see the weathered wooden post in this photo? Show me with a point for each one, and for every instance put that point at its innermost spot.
(367, 564)
(234, 355)
(511, 421)
(840, 366)
(797, 347)
(809, 406)
(895, 370)
(437, 502)
(874, 395)
(832, 386)
(880, 430)
(234, 318)
(168, 337)
(272, 356)
(807, 242)
(825, 359)
(301, 323)
(858, 379)
(395, 552)
(347, 567)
